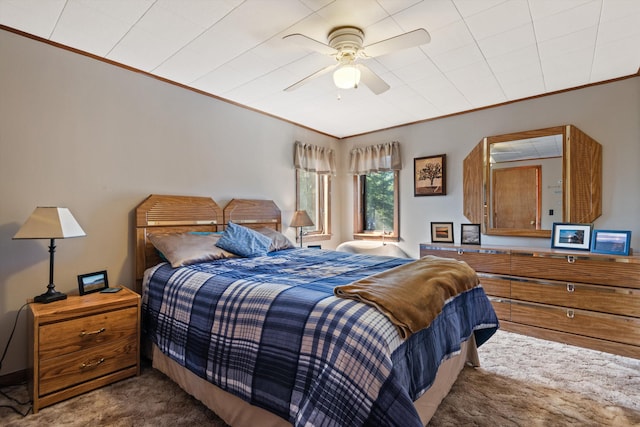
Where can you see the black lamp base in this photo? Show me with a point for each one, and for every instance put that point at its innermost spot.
(50, 296)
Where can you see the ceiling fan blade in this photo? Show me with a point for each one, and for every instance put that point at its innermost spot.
(403, 41)
(310, 44)
(311, 77)
(372, 80)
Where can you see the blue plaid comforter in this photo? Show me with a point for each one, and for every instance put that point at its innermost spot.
(270, 330)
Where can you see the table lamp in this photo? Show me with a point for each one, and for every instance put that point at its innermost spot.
(300, 219)
(50, 223)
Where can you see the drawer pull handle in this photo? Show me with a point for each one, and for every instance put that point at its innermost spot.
(89, 365)
(460, 252)
(570, 314)
(571, 259)
(85, 333)
(571, 287)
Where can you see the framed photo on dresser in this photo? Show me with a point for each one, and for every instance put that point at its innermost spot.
(571, 236)
(614, 242)
(470, 234)
(442, 232)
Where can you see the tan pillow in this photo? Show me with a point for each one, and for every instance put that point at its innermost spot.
(278, 240)
(187, 248)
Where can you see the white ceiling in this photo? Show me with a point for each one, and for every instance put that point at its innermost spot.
(482, 52)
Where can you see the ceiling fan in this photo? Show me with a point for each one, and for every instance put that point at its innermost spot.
(345, 44)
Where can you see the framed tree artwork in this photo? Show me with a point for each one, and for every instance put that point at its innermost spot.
(429, 176)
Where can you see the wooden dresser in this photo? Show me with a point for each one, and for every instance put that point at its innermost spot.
(82, 343)
(579, 298)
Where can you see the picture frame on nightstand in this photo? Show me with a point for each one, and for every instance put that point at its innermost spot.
(92, 282)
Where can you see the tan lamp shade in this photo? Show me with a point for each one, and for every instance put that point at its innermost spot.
(300, 219)
(50, 223)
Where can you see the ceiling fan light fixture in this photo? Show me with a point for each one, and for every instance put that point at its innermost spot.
(347, 77)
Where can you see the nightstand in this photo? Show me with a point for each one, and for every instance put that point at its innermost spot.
(82, 343)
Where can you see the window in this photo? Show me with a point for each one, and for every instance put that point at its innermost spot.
(376, 171)
(313, 197)
(314, 167)
(377, 205)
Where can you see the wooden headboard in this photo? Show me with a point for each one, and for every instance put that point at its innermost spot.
(253, 213)
(170, 214)
(176, 214)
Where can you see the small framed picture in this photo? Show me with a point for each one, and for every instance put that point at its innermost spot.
(571, 236)
(470, 234)
(615, 242)
(430, 175)
(442, 232)
(92, 282)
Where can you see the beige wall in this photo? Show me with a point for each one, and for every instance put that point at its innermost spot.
(97, 139)
(609, 113)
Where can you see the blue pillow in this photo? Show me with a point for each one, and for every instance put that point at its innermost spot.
(243, 241)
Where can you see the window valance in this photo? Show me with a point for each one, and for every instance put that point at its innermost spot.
(312, 158)
(375, 158)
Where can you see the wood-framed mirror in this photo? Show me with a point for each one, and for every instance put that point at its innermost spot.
(519, 184)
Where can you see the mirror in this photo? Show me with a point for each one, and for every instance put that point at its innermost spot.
(519, 184)
(525, 183)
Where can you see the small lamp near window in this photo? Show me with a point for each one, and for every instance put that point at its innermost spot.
(300, 219)
(50, 223)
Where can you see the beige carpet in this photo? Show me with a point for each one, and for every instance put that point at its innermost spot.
(523, 382)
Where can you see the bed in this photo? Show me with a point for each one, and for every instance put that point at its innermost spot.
(267, 340)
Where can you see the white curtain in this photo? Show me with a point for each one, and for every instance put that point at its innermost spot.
(375, 158)
(312, 158)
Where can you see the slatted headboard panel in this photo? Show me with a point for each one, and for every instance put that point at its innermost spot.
(253, 213)
(171, 214)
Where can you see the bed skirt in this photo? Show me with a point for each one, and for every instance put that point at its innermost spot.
(239, 413)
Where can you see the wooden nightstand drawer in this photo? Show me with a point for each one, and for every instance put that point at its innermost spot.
(82, 343)
(74, 368)
(85, 332)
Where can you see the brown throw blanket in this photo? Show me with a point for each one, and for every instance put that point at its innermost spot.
(413, 294)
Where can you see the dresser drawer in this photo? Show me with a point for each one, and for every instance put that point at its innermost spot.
(482, 260)
(576, 268)
(502, 307)
(77, 334)
(606, 299)
(581, 322)
(70, 369)
(495, 286)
